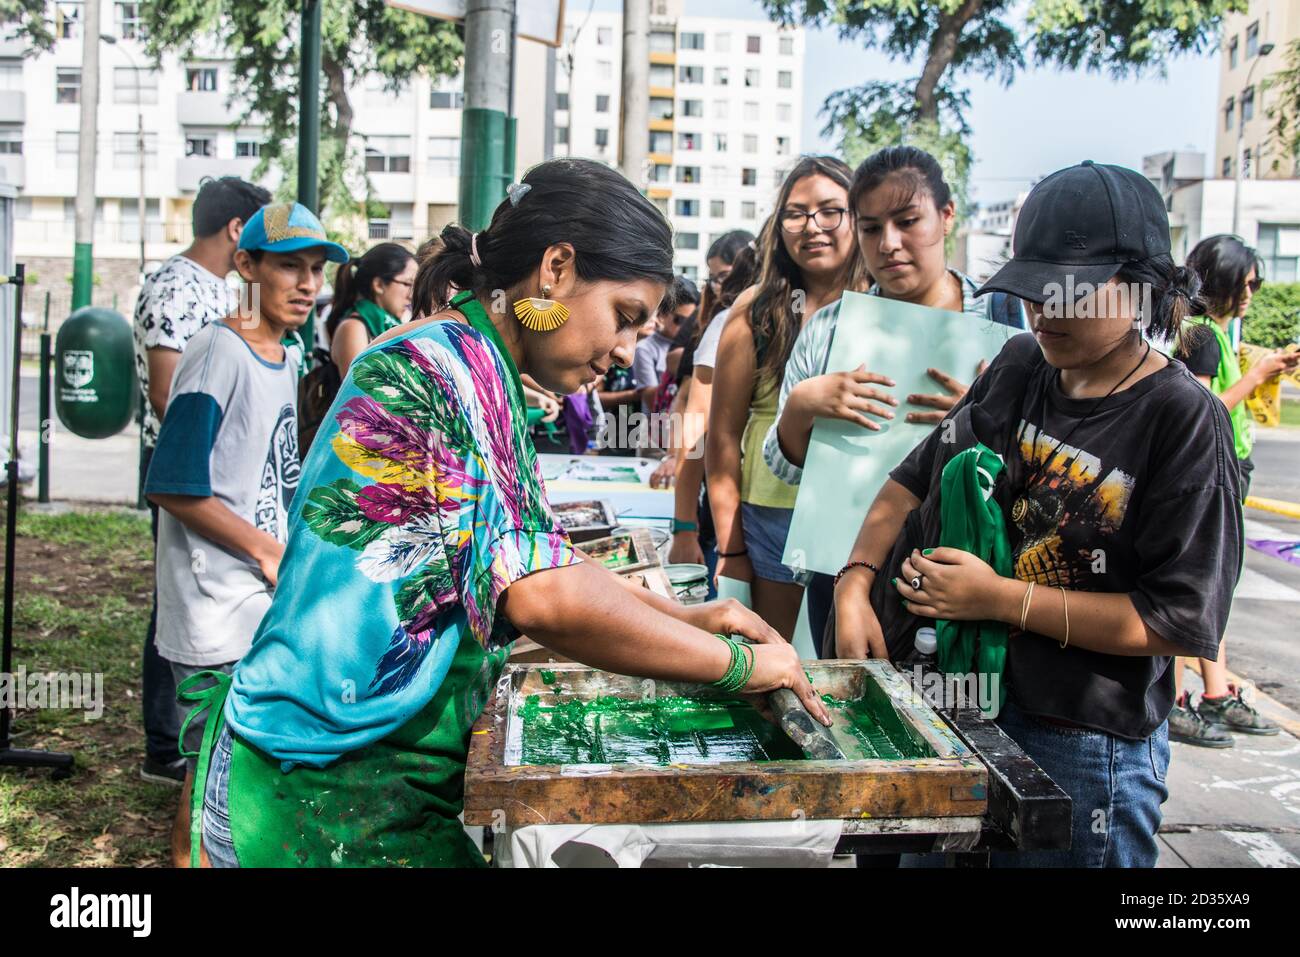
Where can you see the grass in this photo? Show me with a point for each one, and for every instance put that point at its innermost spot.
(82, 605)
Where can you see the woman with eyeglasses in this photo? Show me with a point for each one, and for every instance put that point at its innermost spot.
(371, 295)
(808, 260)
(1230, 273)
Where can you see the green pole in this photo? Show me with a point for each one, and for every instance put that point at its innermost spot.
(83, 275)
(487, 138)
(309, 136)
(44, 424)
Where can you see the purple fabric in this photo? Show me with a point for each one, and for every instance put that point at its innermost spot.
(577, 420)
(1287, 551)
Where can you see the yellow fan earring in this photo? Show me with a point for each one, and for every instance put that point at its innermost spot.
(541, 315)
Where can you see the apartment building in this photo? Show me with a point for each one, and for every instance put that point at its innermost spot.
(725, 115)
(1245, 96)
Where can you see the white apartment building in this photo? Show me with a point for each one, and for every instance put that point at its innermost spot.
(725, 115)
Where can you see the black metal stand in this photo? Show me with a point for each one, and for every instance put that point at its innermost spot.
(61, 763)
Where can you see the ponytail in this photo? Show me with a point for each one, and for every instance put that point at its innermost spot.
(1175, 296)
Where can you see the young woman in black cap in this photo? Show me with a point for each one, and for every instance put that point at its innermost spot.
(1120, 498)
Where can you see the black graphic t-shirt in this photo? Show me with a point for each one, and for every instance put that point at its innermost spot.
(1143, 499)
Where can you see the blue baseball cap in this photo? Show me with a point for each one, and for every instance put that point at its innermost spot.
(286, 228)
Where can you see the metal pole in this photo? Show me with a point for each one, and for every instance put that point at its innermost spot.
(634, 132)
(309, 137)
(83, 261)
(139, 146)
(487, 161)
(44, 424)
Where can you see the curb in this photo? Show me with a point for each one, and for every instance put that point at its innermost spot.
(1268, 706)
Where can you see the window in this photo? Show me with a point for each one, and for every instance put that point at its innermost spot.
(751, 112)
(722, 42)
(201, 79)
(691, 272)
(661, 41)
(126, 150)
(687, 240)
(751, 143)
(688, 141)
(11, 74)
(67, 85)
(604, 36)
(1227, 166)
(561, 101)
(692, 107)
(65, 149)
(688, 174)
(748, 177)
(784, 112)
(783, 146)
(248, 149)
(1252, 40)
(1245, 163)
(67, 19)
(1232, 54)
(131, 220)
(200, 144)
(787, 46)
(720, 109)
(752, 78)
(605, 69)
(11, 139)
(455, 100)
(720, 142)
(602, 102)
(785, 79)
(690, 74)
(748, 210)
(661, 75)
(717, 175)
(1229, 114)
(661, 108)
(688, 207)
(388, 154)
(753, 44)
(128, 21)
(661, 141)
(125, 80)
(718, 208)
(602, 138)
(561, 136)
(661, 173)
(1247, 104)
(721, 76)
(692, 41)
(1278, 246)
(444, 155)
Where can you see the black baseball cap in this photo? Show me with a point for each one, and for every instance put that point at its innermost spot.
(1085, 222)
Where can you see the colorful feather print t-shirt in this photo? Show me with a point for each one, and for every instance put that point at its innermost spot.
(420, 503)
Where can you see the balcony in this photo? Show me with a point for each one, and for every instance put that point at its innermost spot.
(191, 169)
(663, 124)
(663, 58)
(13, 171)
(204, 108)
(13, 106)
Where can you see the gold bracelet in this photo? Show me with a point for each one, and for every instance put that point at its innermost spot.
(1066, 603)
(1024, 605)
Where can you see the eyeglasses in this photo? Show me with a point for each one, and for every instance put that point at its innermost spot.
(796, 220)
(717, 279)
(1254, 285)
(403, 282)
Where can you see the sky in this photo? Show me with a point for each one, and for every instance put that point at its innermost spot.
(1046, 120)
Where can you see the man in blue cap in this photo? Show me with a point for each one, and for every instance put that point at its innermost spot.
(226, 465)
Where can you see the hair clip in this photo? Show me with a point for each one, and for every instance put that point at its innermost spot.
(517, 191)
(751, 245)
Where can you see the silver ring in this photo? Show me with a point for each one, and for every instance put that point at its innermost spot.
(916, 582)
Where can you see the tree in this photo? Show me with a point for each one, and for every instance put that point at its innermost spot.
(1273, 319)
(957, 38)
(359, 38)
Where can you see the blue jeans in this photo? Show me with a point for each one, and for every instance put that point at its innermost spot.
(216, 805)
(1117, 787)
(765, 529)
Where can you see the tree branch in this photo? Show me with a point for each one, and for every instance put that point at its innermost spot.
(943, 47)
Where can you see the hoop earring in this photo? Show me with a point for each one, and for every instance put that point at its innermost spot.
(541, 315)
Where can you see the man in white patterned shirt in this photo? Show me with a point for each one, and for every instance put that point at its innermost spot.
(186, 293)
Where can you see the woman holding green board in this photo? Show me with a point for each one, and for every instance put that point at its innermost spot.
(1120, 497)
(903, 211)
(421, 544)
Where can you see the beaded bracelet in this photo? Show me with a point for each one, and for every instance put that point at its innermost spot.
(738, 672)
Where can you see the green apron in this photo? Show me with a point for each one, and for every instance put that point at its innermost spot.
(1228, 375)
(971, 520)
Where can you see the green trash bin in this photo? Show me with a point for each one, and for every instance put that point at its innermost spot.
(94, 360)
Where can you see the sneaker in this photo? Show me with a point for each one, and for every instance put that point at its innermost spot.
(1186, 725)
(160, 772)
(1233, 714)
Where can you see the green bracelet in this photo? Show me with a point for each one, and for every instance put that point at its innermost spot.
(749, 671)
(681, 526)
(734, 678)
